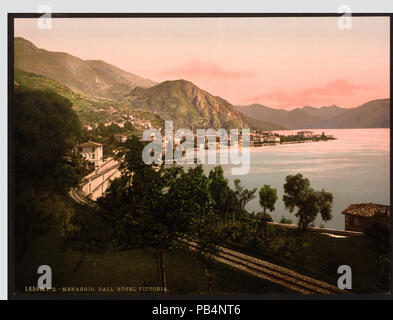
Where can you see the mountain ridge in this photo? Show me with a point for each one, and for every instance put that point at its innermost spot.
(372, 114)
(188, 105)
(86, 77)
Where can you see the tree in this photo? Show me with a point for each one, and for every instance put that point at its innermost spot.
(219, 192)
(81, 165)
(264, 217)
(284, 220)
(208, 237)
(46, 128)
(298, 193)
(267, 198)
(87, 233)
(205, 223)
(243, 195)
(227, 203)
(149, 207)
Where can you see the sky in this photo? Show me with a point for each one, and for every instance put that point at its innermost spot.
(278, 62)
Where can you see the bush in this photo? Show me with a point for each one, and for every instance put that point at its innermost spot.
(265, 217)
(285, 220)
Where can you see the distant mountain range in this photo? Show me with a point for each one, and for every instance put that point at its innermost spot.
(95, 87)
(373, 114)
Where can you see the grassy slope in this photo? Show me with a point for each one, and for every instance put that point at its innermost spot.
(85, 107)
(134, 268)
(319, 256)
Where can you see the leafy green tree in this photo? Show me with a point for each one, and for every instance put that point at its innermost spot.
(284, 220)
(149, 207)
(208, 237)
(243, 195)
(87, 233)
(46, 128)
(264, 216)
(81, 165)
(205, 223)
(298, 193)
(267, 198)
(227, 203)
(219, 190)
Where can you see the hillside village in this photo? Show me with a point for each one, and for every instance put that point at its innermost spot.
(119, 132)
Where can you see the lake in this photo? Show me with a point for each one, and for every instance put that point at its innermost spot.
(355, 168)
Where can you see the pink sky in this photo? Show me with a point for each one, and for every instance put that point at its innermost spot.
(278, 62)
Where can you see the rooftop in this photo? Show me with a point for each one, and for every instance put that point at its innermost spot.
(89, 144)
(366, 209)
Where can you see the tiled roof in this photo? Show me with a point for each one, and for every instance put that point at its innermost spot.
(89, 144)
(366, 209)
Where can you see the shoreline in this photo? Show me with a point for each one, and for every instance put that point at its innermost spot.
(260, 145)
(205, 152)
(293, 142)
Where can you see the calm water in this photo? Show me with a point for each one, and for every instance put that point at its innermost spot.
(355, 168)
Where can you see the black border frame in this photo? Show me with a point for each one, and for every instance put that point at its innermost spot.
(169, 299)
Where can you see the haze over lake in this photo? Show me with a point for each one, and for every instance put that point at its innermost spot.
(355, 168)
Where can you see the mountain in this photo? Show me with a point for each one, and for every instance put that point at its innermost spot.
(92, 78)
(324, 112)
(89, 110)
(108, 70)
(187, 105)
(297, 118)
(372, 114)
(268, 126)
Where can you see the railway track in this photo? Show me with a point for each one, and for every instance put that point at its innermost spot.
(271, 272)
(108, 178)
(101, 173)
(75, 194)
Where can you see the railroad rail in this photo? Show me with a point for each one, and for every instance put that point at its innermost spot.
(271, 272)
(77, 195)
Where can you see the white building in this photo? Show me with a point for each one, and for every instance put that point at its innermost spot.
(92, 151)
(274, 139)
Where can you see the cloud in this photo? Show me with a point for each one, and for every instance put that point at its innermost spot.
(200, 69)
(329, 92)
